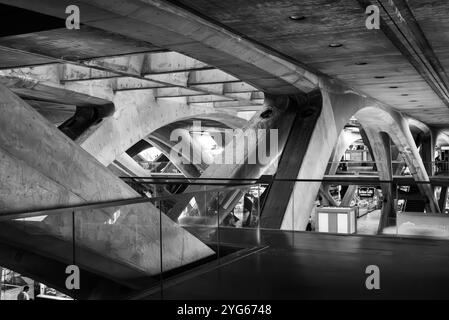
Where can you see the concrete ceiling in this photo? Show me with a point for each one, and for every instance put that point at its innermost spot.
(402, 65)
(365, 55)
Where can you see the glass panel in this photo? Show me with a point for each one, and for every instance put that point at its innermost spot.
(123, 244)
(40, 247)
(418, 215)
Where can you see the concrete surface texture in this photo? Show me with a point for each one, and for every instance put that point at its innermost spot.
(74, 103)
(44, 169)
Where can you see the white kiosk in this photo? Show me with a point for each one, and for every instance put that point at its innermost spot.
(336, 219)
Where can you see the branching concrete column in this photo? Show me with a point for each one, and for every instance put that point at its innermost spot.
(345, 139)
(381, 147)
(278, 115)
(396, 126)
(161, 140)
(427, 151)
(337, 108)
(40, 167)
(443, 198)
(349, 195)
(137, 115)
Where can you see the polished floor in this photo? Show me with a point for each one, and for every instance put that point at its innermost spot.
(305, 265)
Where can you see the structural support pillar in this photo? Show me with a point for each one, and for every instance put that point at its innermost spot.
(41, 168)
(381, 146)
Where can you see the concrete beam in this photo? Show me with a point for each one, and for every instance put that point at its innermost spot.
(282, 113)
(137, 115)
(126, 73)
(172, 27)
(42, 83)
(42, 168)
(401, 27)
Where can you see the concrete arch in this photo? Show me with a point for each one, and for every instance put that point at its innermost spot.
(43, 168)
(279, 114)
(345, 139)
(136, 116)
(337, 108)
(380, 121)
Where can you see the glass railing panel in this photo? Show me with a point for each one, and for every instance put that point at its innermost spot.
(123, 243)
(39, 246)
(419, 211)
(140, 245)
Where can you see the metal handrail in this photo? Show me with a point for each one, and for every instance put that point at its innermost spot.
(356, 179)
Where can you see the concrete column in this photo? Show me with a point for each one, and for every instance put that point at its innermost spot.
(442, 199)
(381, 146)
(277, 200)
(349, 195)
(397, 127)
(278, 114)
(345, 139)
(427, 152)
(137, 115)
(337, 108)
(40, 168)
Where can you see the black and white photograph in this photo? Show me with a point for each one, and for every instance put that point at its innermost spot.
(223, 156)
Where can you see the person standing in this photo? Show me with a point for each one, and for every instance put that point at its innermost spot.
(23, 295)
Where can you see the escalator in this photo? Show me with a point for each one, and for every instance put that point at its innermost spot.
(414, 201)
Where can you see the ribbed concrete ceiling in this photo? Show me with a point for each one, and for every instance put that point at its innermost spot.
(367, 59)
(403, 65)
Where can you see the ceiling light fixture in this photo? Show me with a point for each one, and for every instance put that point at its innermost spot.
(297, 17)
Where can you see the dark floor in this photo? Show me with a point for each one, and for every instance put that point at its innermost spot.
(304, 265)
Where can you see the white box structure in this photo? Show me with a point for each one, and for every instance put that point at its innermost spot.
(336, 219)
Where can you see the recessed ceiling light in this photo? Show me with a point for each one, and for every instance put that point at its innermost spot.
(335, 45)
(297, 17)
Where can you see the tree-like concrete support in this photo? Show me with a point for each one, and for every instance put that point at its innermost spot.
(443, 198)
(337, 108)
(381, 146)
(188, 169)
(345, 139)
(136, 116)
(349, 195)
(398, 129)
(291, 161)
(42, 168)
(278, 116)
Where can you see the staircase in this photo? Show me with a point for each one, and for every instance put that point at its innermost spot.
(414, 200)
